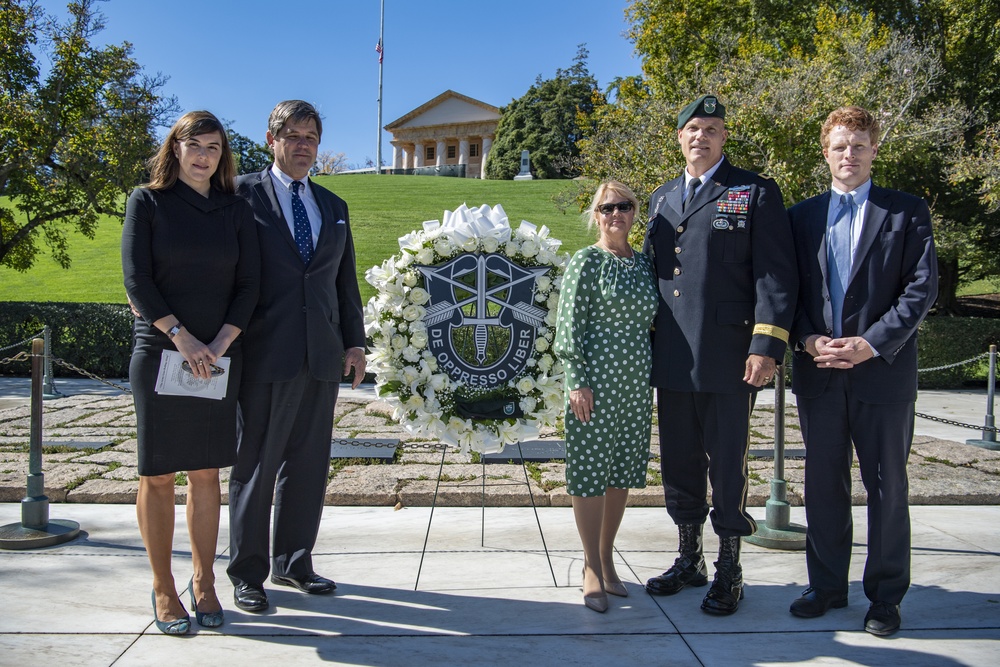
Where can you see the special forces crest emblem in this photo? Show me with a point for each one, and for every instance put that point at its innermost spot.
(481, 321)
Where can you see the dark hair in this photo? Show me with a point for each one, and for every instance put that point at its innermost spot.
(855, 119)
(164, 166)
(295, 110)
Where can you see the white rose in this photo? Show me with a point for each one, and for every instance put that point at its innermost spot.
(438, 381)
(525, 385)
(443, 247)
(546, 256)
(511, 248)
(529, 248)
(545, 363)
(418, 339)
(550, 318)
(414, 402)
(490, 244)
(530, 363)
(552, 302)
(410, 278)
(470, 244)
(543, 283)
(405, 259)
(540, 297)
(411, 354)
(419, 296)
(425, 255)
(541, 344)
(398, 342)
(413, 312)
(528, 404)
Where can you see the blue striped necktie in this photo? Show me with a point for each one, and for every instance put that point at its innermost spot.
(838, 259)
(303, 231)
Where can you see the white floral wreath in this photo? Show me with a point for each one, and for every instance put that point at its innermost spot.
(407, 374)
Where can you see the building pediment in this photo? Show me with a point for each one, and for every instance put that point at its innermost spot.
(448, 108)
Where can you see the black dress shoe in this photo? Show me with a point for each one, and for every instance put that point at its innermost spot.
(687, 570)
(311, 583)
(814, 603)
(250, 598)
(882, 619)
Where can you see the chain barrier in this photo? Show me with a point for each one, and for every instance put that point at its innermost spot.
(92, 376)
(984, 355)
(952, 422)
(24, 356)
(22, 342)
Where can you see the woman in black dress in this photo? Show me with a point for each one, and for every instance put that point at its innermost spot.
(192, 271)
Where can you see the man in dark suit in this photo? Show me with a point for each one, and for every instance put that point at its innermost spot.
(307, 330)
(868, 276)
(722, 251)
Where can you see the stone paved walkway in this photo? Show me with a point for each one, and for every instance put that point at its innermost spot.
(104, 471)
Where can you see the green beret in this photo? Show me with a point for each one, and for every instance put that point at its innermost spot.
(704, 106)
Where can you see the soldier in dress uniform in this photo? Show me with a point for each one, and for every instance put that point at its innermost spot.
(724, 259)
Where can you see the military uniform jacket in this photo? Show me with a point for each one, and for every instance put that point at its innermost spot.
(727, 279)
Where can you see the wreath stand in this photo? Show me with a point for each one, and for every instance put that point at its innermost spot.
(482, 538)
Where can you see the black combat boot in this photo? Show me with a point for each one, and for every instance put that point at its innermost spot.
(689, 568)
(727, 589)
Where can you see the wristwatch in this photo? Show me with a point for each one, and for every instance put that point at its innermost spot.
(174, 330)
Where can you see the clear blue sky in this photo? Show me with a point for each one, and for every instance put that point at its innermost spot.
(237, 58)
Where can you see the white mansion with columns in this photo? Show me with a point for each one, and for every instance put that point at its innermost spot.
(451, 133)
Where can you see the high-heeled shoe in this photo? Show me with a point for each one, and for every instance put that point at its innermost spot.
(208, 619)
(615, 589)
(596, 601)
(178, 626)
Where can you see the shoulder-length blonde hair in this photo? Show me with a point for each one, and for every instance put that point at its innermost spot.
(164, 166)
(614, 187)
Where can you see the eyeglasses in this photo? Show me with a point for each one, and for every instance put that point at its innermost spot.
(215, 371)
(622, 206)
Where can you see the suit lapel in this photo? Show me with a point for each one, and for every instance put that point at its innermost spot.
(817, 236)
(875, 214)
(264, 190)
(326, 215)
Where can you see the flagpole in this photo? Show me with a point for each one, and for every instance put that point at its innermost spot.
(378, 145)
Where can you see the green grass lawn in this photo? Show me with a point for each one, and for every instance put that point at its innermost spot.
(383, 208)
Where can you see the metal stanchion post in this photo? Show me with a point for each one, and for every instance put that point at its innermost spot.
(778, 532)
(49, 382)
(989, 439)
(36, 530)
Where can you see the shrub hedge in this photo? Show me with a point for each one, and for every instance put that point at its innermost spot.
(98, 338)
(94, 336)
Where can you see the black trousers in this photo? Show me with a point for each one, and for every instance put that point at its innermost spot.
(706, 436)
(284, 453)
(881, 435)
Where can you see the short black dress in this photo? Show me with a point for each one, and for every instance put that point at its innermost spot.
(197, 258)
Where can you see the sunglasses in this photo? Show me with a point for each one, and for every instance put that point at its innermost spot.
(622, 206)
(215, 371)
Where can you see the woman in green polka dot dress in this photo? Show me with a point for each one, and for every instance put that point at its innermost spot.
(606, 304)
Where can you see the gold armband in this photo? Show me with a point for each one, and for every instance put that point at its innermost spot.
(771, 330)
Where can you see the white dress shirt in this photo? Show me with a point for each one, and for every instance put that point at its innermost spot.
(283, 190)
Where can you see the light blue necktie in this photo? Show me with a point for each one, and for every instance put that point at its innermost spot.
(838, 259)
(300, 220)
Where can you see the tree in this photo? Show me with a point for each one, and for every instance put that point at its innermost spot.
(250, 156)
(783, 66)
(74, 140)
(548, 121)
(328, 162)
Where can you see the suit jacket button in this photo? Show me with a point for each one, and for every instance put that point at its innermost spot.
(677, 250)
(677, 292)
(680, 228)
(746, 321)
(677, 271)
(829, 331)
(304, 309)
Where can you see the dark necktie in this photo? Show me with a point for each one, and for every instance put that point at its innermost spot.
(838, 259)
(303, 231)
(689, 195)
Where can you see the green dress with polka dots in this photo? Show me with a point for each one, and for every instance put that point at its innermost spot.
(606, 307)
